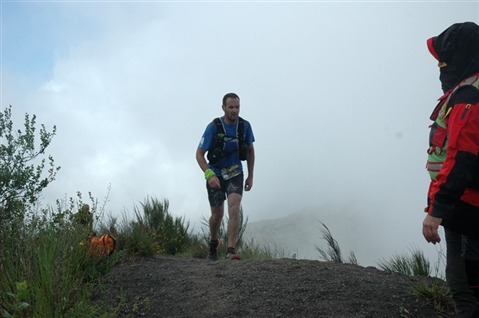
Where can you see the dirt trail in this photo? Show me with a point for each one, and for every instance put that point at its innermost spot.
(170, 286)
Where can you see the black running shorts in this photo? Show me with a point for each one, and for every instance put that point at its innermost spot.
(218, 196)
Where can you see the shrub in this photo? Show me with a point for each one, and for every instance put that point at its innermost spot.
(154, 230)
(20, 182)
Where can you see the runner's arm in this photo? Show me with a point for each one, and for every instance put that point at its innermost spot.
(250, 164)
(200, 158)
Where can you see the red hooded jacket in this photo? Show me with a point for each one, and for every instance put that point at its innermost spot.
(454, 190)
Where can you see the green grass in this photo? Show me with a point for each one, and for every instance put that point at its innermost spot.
(46, 253)
(47, 270)
(412, 264)
(434, 292)
(44, 250)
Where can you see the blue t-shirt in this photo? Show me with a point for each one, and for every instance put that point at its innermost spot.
(231, 158)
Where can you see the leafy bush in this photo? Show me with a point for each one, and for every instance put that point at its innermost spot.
(20, 182)
(17, 304)
(39, 248)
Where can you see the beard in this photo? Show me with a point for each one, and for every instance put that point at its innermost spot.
(232, 117)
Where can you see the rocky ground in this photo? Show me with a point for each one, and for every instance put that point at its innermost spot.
(172, 286)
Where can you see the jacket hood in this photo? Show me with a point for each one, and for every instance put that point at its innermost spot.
(457, 51)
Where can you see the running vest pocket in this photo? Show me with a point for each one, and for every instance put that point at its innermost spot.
(437, 149)
(457, 122)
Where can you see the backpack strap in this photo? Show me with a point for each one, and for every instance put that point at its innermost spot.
(220, 129)
(242, 147)
(240, 129)
(215, 153)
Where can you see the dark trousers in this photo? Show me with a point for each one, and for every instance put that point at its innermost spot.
(462, 273)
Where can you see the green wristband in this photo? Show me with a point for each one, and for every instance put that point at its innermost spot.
(208, 174)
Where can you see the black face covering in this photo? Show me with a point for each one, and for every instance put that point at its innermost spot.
(448, 77)
(458, 48)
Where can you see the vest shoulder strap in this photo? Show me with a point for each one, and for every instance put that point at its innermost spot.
(240, 129)
(444, 108)
(471, 81)
(220, 130)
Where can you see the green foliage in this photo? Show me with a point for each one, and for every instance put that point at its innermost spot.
(415, 264)
(17, 304)
(138, 239)
(333, 253)
(154, 230)
(197, 246)
(21, 182)
(223, 233)
(252, 250)
(47, 251)
(436, 294)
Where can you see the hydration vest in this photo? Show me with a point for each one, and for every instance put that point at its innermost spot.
(217, 151)
(438, 134)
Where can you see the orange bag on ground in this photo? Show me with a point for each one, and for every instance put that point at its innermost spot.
(103, 245)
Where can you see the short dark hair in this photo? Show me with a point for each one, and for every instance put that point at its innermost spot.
(229, 95)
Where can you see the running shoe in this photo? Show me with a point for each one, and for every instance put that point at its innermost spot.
(213, 253)
(231, 254)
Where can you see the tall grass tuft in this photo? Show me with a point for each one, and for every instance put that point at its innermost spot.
(415, 264)
(436, 294)
(154, 230)
(253, 250)
(333, 253)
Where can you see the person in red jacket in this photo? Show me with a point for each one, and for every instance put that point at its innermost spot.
(453, 163)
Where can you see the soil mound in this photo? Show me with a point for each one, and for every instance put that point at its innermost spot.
(172, 286)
